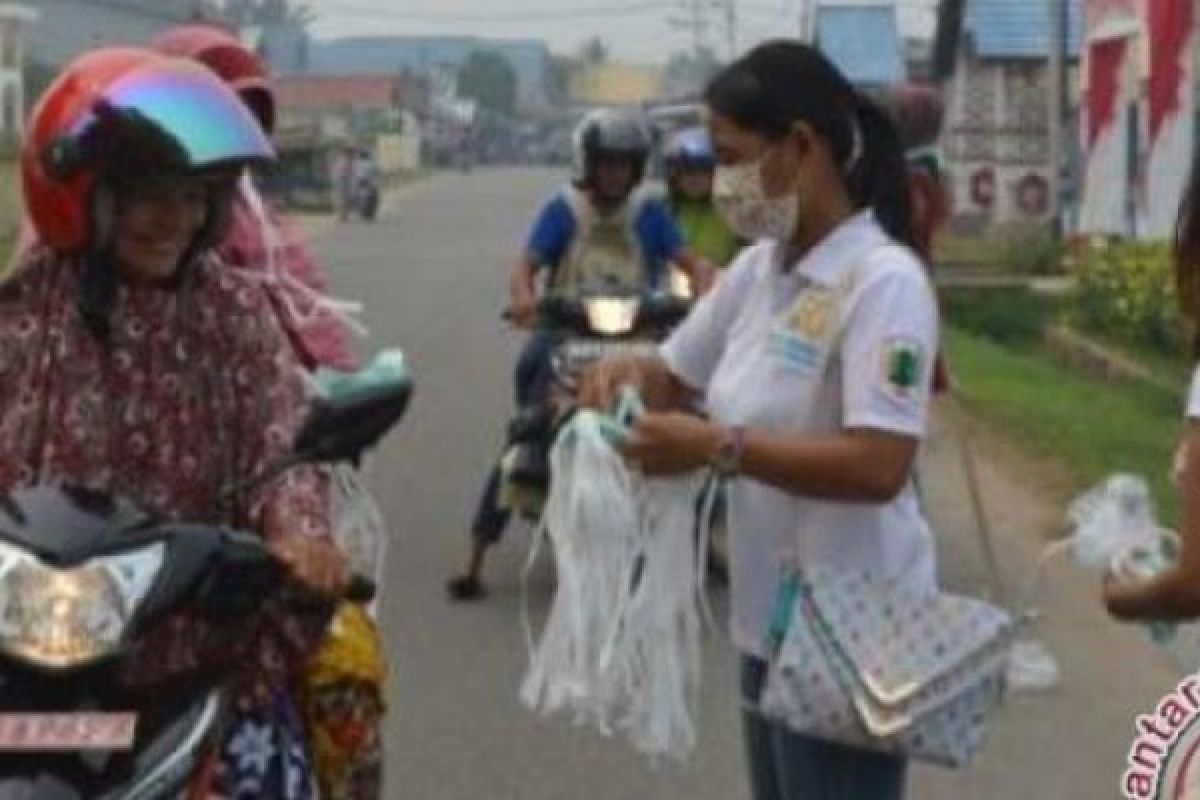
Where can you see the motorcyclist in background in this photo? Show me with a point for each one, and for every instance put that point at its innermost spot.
(603, 228)
(690, 163)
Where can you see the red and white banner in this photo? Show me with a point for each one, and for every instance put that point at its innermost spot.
(1171, 111)
(1106, 184)
(1106, 19)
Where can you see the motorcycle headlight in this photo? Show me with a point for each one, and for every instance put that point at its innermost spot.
(680, 284)
(612, 316)
(73, 617)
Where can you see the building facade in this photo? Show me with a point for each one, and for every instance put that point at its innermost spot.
(66, 28)
(1138, 94)
(997, 132)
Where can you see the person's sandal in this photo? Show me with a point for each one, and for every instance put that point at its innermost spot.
(465, 588)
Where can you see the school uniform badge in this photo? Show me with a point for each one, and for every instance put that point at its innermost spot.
(813, 313)
(799, 341)
(903, 365)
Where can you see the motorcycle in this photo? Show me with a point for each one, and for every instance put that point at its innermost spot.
(366, 200)
(85, 577)
(589, 326)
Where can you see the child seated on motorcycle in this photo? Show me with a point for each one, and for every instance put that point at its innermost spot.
(690, 163)
(603, 229)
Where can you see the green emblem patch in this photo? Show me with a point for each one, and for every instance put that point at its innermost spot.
(904, 364)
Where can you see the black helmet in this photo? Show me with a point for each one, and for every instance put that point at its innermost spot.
(609, 134)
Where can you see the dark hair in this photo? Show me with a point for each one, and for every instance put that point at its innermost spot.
(780, 83)
(1187, 253)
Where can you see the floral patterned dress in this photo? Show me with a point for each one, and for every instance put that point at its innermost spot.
(193, 388)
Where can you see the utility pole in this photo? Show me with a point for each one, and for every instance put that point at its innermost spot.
(1056, 97)
(807, 21)
(692, 17)
(731, 24)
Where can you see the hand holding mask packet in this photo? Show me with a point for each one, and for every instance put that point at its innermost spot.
(1115, 528)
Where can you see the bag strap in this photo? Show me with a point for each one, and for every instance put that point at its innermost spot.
(960, 422)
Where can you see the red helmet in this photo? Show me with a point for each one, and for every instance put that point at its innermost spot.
(225, 54)
(121, 113)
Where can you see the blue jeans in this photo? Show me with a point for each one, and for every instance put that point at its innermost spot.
(533, 373)
(789, 766)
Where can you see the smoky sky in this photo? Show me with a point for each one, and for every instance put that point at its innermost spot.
(635, 30)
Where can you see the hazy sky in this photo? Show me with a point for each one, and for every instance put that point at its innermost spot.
(636, 30)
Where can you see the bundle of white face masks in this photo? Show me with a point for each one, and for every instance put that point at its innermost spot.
(620, 650)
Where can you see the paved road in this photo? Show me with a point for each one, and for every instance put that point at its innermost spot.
(431, 273)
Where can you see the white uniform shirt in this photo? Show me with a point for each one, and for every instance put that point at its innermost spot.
(878, 376)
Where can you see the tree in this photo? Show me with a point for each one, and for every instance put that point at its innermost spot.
(594, 51)
(559, 70)
(487, 78)
(269, 12)
(687, 73)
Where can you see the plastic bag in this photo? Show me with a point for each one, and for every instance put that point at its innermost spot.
(1116, 530)
(1111, 519)
(358, 524)
(620, 649)
(359, 528)
(343, 705)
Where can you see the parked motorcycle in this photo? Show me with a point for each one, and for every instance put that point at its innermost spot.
(366, 200)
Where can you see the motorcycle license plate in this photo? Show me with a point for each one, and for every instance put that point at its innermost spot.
(64, 732)
(588, 351)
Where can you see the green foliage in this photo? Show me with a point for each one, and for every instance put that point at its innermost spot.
(594, 51)
(1125, 293)
(1033, 251)
(487, 78)
(1020, 249)
(1012, 316)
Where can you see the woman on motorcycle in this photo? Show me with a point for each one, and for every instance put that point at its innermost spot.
(133, 361)
(690, 162)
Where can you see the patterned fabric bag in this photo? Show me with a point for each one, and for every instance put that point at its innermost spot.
(874, 664)
(878, 666)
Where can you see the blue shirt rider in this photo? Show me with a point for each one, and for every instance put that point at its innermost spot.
(603, 228)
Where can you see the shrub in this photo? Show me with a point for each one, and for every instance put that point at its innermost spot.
(1013, 316)
(1126, 293)
(1033, 250)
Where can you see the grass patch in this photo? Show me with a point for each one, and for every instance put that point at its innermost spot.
(1089, 427)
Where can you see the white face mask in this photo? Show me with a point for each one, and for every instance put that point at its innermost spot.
(742, 202)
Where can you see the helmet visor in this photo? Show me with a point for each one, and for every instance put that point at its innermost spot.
(203, 122)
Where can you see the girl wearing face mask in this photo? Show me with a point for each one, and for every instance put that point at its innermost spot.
(813, 356)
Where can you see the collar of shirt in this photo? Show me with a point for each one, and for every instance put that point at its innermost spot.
(825, 262)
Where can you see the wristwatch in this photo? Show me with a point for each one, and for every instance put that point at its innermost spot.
(727, 461)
